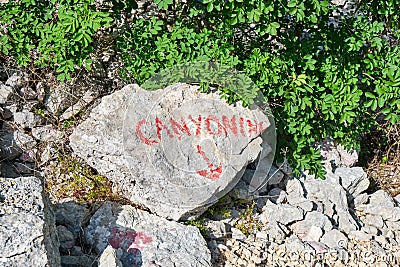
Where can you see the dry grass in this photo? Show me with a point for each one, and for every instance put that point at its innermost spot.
(384, 166)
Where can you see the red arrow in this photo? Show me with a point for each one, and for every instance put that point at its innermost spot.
(212, 174)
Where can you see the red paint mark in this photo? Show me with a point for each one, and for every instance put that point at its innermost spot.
(212, 125)
(252, 127)
(208, 125)
(161, 126)
(241, 122)
(227, 125)
(211, 173)
(141, 135)
(177, 127)
(141, 239)
(197, 123)
(128, 240)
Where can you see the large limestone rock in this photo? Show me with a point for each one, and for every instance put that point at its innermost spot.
(138, 238)
(27, 226)
(174, 151)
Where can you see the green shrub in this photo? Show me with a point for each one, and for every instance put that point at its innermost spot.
(50, 33)
(321, 80)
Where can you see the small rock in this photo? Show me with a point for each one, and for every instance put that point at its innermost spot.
(370, 230)
(277, 195)
(5, 92)
(237, 234)
(9, 149)
(77, 261)
(354, 180)
(216, 229)
(314, 218)
(46, 133)
(137, 234)
(9, 110)
(15, 81)
(381, 240)
(109, 258)
(394, 226)
(24, 168)
(313, 234)
(28, 93)
(67, 240)
(71, 215)
(295, 245)
(380, 203)
(334, 238)
(373, 220)
(58, 99)
(274, 231)
(23, 140)
(86, 99)
(275, 176)
(361, 199)
(360, 236)
(283, 213)
(318, 247)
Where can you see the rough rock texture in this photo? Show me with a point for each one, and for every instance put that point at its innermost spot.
(331, 198)
(5, 92)
(144, 239)
(27, 226)
(174, 151)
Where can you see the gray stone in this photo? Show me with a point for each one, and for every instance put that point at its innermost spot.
(331, 194)
(142, 238)
(359, 236)
(160, 165)
(71, 215)
(334, 238)
(295, 195)
(275, 176)
(66, 238)
(397, 199)
(337, 155)
(27, 119)
(23, 140)
(354, 180)
(373, 220)
(237, 234)
(28, 93)
(313, 234)
(86, 99)
(216, 229)
(58, 99)
(360, 199)
(46, 133)
(395, 226)
(27, 227)
(277, 195)
(274, 231)
(315, 218)
(24, 168)
(295, 245)
(5, 92)
(8, 147)
(77, 261)
(15, 81)
(283, 213)
(9, 111)
(370, 229)
(380, 203)
(109, 258)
